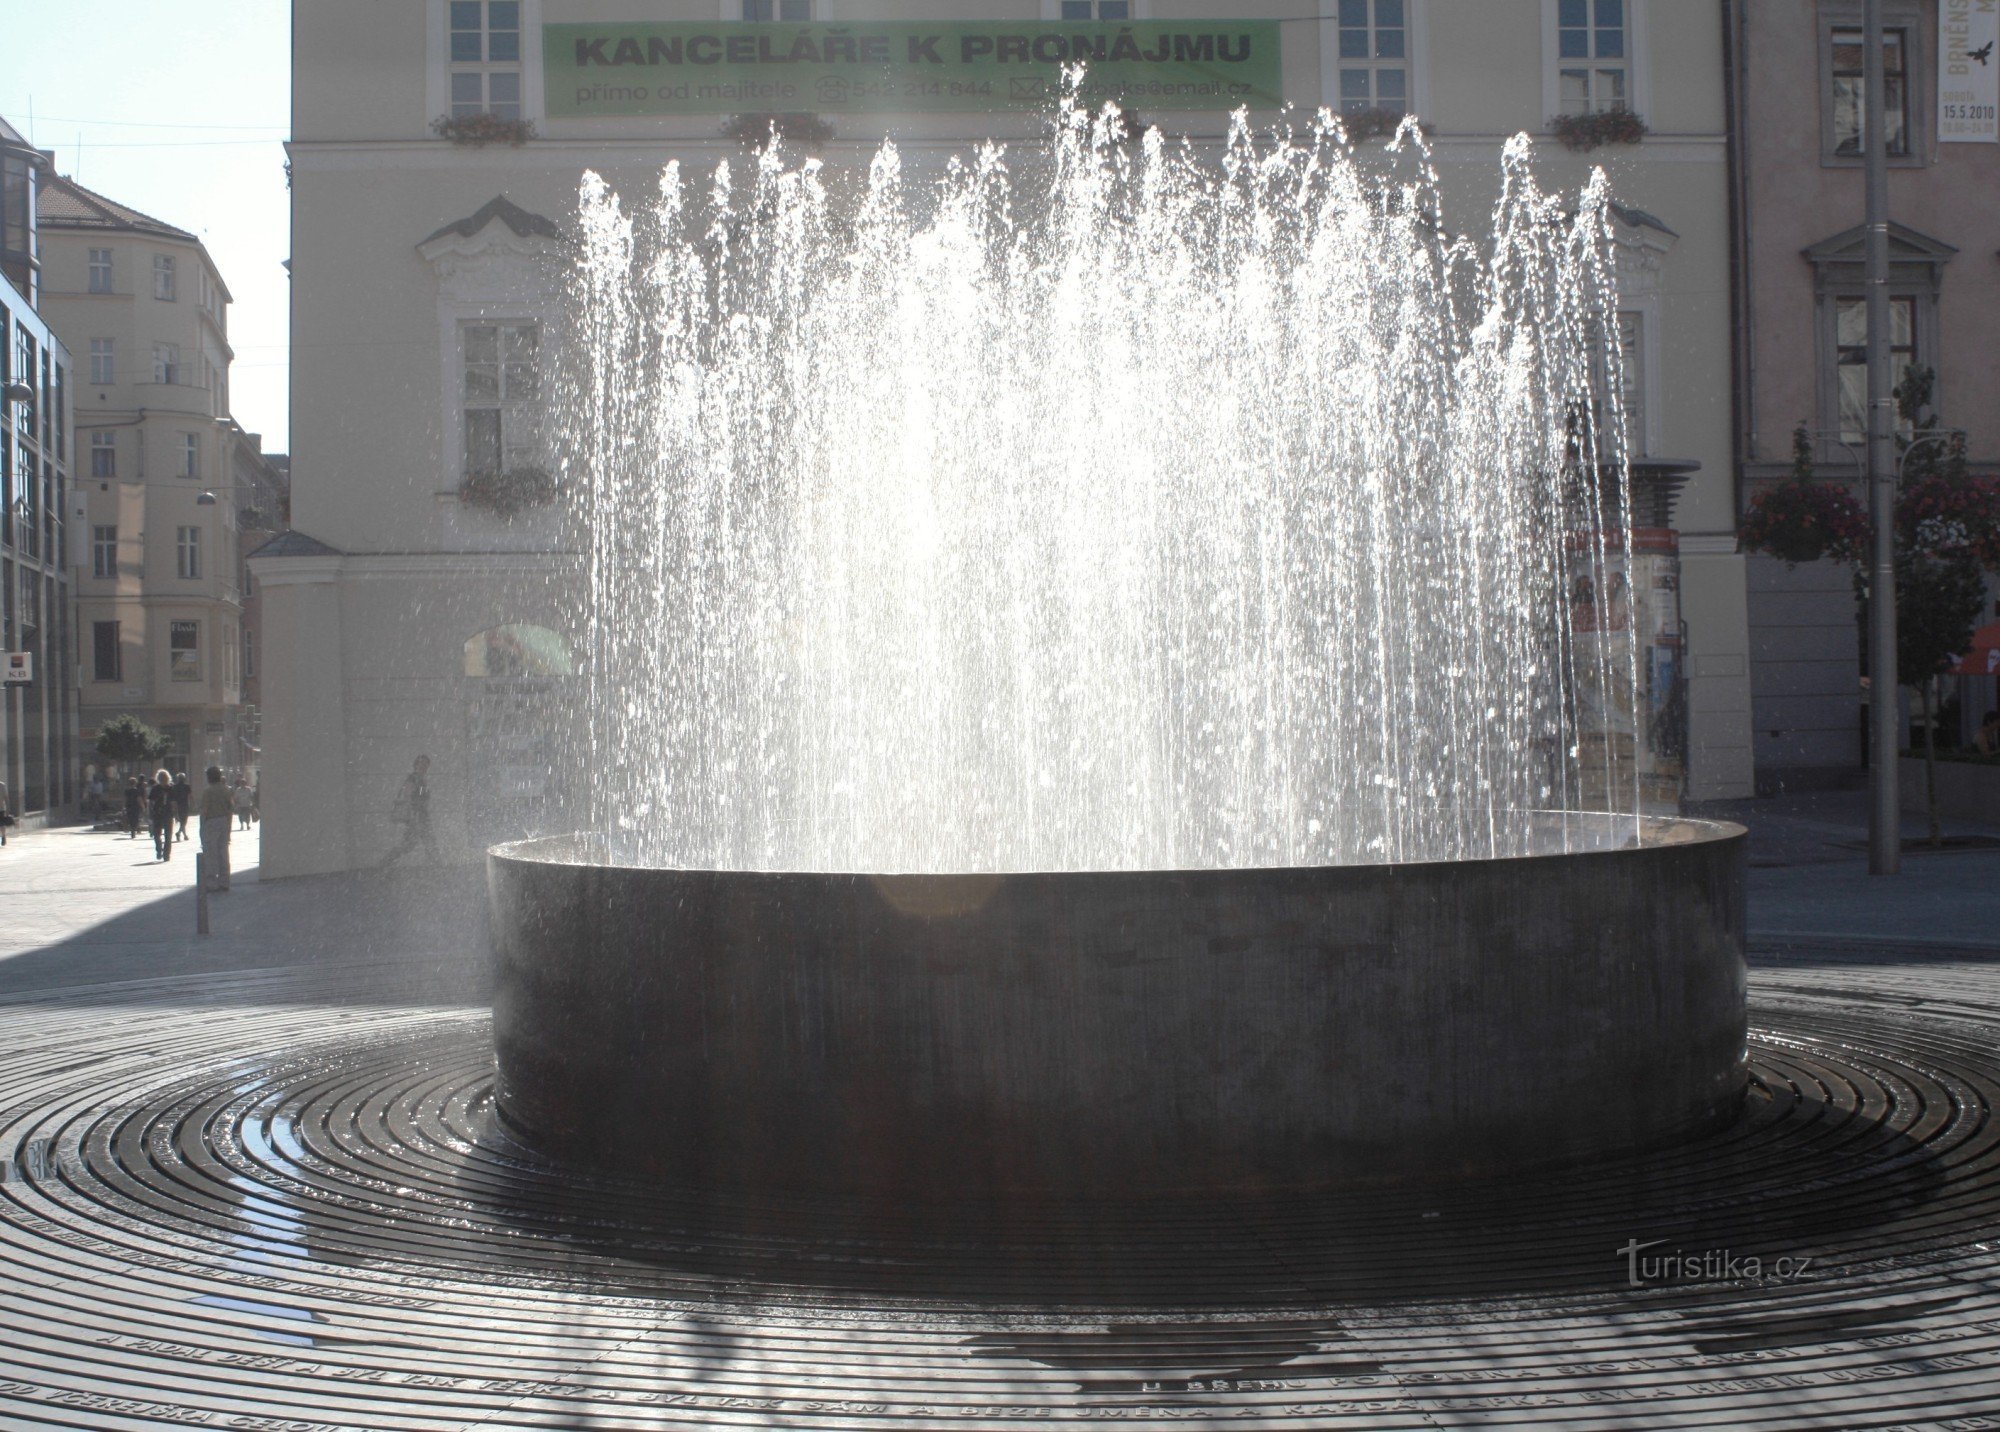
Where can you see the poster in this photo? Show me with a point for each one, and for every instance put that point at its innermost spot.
(881, 67)
(1968, 72)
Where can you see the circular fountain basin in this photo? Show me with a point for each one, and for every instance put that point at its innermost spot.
(1123, 1033)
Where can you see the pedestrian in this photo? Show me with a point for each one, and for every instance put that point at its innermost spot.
(135, 806)
(183, 796)
(160, 814)
(242, 802)
(412, 811)
(215, 814)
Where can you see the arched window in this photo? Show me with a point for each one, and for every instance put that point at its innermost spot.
(518, 650)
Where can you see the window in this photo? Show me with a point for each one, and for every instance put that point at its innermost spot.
(166, 362)
(187, 553)
(249, 655)
(1374, 56)
(106, 664)
(100, 270)
(163, 276)
(1593, 65)
(1850, 336)
(502, 396)
(190, 454)
(485, 58)
(103, 454)
(101, 370)
(184, 651)
(1848, 100)
(799, 10)
(1632, 385)
(24, 369)
(104, 551)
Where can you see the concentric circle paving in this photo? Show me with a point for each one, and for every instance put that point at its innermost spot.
(304, 1215)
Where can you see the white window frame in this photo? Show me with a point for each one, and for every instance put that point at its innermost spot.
(103, 362)
(462, 404)
(100, 262)
(187, 554)
(1416, 50)
(105, 442)
(1638, 87)
(437, 79)
(733, 10)
(166, 279)
(1141, 10)
(190, 464)
(167, 363)
(103, 551)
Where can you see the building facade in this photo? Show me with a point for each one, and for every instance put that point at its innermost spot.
(38, 718)
(427, 244)
(165, 476)
(1801, 349)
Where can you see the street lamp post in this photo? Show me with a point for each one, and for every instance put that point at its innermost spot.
(1885, 826)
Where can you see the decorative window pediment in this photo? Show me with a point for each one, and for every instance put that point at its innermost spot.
(499, 252)
(1914, 258)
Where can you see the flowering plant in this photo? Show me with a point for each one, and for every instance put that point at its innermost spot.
(482, 128)
(753, 131)
(1376, 123)
(1603, 126)
(506, 492)
(1800, 520)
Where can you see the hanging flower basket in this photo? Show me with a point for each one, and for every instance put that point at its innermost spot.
(1377, 123)
(1805, 521)
(509, 492)
(1609, 126)
(478, 130)
(799, 130)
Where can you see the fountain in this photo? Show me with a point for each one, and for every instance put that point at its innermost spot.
(1096, 674)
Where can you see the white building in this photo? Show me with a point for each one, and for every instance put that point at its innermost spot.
(402, 619)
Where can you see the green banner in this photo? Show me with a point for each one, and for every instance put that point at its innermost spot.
(885, 68)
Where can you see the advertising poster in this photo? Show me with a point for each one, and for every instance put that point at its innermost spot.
(871, 67)
(1968, 72)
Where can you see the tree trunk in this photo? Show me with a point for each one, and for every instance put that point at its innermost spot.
(1929, 689)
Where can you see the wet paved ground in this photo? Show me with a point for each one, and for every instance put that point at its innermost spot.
(254, 1181)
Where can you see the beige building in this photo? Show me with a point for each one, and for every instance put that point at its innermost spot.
(164, 474)
(1800, 358)
(424, 283)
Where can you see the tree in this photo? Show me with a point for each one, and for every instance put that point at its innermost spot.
(1947, 538)
(128, 739)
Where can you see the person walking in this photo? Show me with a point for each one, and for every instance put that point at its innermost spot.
(242, 802)
(183, 796)
(412, 811)
(215, 813)
(135, 807)
(160, 814)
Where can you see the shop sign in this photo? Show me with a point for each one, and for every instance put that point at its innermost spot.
(20, 668)
(883, 67)
(1968, 72)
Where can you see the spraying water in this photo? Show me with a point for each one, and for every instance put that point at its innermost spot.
(1121, 509)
